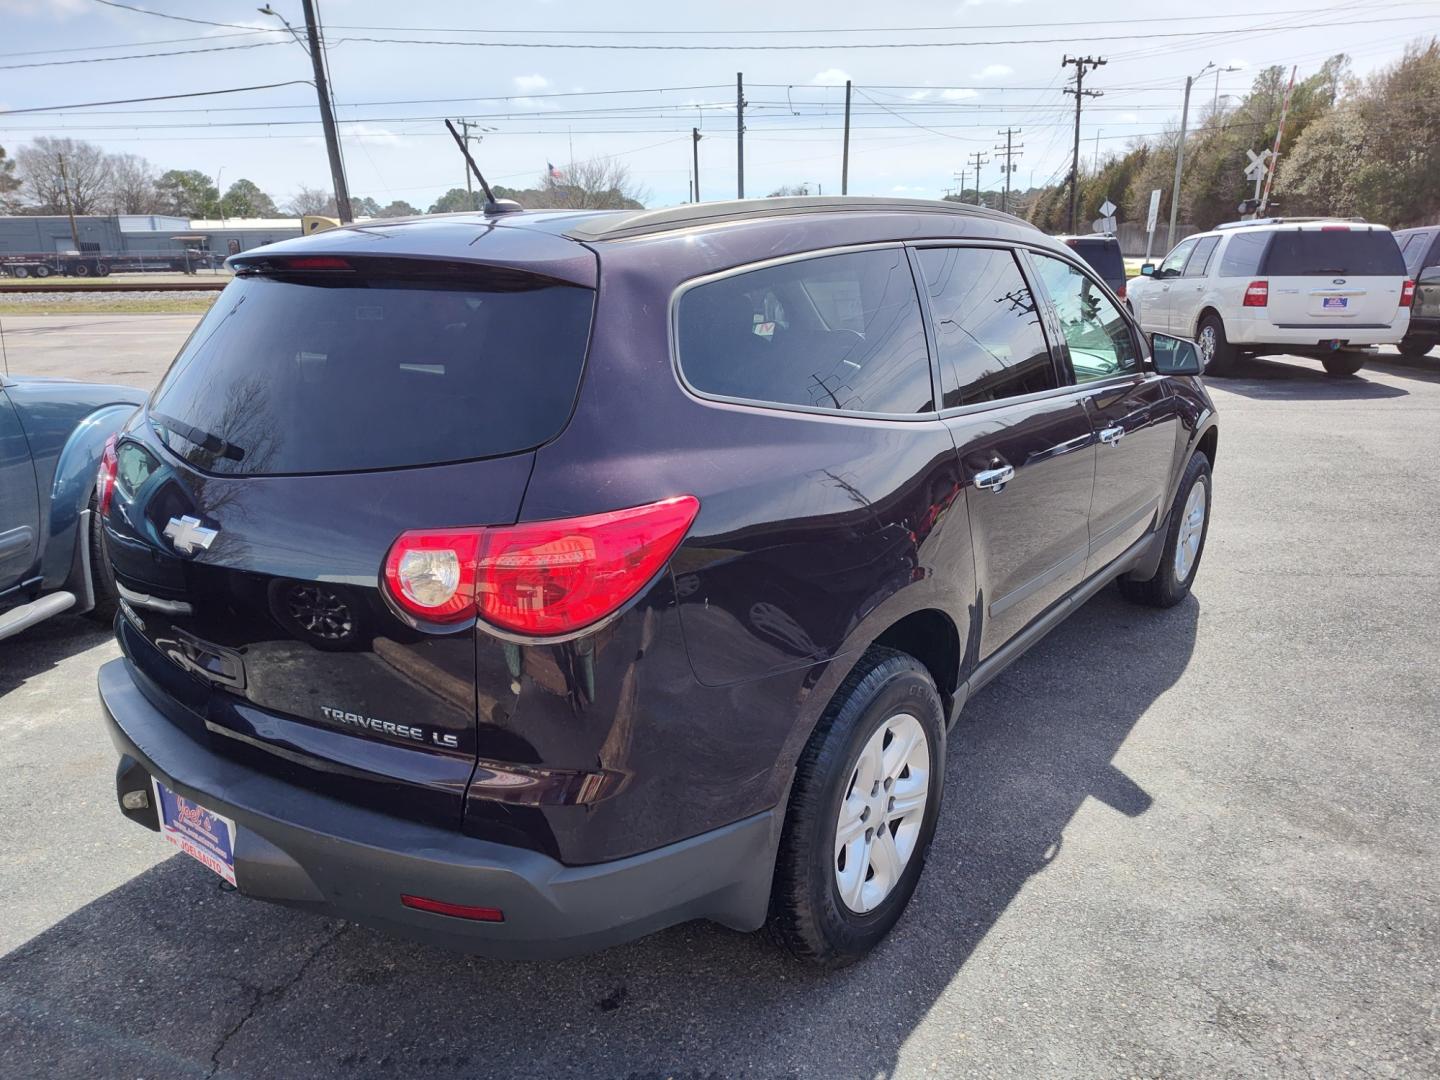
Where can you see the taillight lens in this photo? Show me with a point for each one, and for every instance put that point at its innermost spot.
(1257, 294)
(541, 578)
(105, 476)
(1120, 290)
(1407, 294)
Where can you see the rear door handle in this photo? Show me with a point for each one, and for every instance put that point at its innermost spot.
(1111, 435)
(995, 479)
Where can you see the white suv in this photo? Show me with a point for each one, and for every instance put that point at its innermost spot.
(1312, 287)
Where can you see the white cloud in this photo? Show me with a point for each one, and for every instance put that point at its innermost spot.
(830, 77)
(982, 3)
(372, 134)
(994, 71)
(532, 103)
(530, 83)
(1129, 118)
(918, 95)
(958, 95)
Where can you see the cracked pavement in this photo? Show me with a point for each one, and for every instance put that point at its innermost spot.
(1200, 842)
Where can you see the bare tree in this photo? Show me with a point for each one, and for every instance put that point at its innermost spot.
(600, 183)
(87, 174)
(132, 185)
(308, 200)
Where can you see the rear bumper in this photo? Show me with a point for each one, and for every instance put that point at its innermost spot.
(1265, 333)
(306, 850)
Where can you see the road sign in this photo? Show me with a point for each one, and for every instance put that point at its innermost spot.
(1154, 214)
(1103, 225)
(1150, 219)
(1107, 209)
(1257, 163)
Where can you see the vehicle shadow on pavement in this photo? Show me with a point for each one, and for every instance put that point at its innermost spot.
(1426, 369)
(169, 975)
(1264, 378)
(35, 651)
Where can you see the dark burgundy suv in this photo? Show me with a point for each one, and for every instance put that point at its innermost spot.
(527, 582)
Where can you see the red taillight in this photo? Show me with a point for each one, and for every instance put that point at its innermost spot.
(1407, 294)
(315, 262)
(1120, 290)
(1334, 228)
(105, 477)
(1257, 294)
(540, 578)
(458, 911)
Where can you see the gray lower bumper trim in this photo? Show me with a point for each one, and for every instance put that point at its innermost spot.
(300, 848)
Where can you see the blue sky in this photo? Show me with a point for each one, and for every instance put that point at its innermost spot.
(920, 111)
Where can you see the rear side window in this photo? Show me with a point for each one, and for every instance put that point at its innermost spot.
(1200, 258)
(1417, 245)
(987, 326)
(1352, 252)
(1243, 252)
(838, 332)
(287, 376)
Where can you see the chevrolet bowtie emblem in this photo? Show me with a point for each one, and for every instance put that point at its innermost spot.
(186, 534)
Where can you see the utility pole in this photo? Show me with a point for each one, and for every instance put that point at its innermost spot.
(961, 177)
(69, 206)
(1011, 152)
(327, 115)
(465, 136)
(695, 158)
(739, 135)
(845, 160)
(1081, 63)
(980, 159)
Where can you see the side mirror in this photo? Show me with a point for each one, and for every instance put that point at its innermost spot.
(1176, 356)
(1147, 270)
(1429, 276)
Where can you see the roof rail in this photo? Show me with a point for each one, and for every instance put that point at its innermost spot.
(1286, 221)
(625, 224)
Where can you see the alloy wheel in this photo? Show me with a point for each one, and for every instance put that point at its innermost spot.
(880, 817)
(1192, 531)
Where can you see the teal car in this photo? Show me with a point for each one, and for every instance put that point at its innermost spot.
(53, 434)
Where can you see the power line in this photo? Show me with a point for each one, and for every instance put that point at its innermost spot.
(158, 97)
(137, 56)
(134, 44)
(166, 15)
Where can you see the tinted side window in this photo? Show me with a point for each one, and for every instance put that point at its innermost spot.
(839, 332)
(986, 325)
(1243, 253)
(1200, 257)
(1099, 338)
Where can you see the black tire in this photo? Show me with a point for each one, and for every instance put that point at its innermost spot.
(80, 269)
(807, 914)
(1165, 588)
(1216, 349)
(42, 270)
(1343, 365)
(21, 271)
(1416, 348)
(102, 574)
(102, 269)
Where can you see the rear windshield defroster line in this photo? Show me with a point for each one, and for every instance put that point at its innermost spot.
(288, 376)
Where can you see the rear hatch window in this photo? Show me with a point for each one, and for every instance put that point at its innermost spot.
(348, 371)
(1316, 252)
(1104, 256)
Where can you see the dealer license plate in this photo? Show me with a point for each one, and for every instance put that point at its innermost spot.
(1333, 303)
(202, 834)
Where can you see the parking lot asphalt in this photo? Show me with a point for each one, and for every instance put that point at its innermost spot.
(1200, 842)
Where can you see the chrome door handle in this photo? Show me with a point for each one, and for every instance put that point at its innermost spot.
(1111, 435)
(995, 479)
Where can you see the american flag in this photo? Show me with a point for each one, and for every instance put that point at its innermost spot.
(555, 174)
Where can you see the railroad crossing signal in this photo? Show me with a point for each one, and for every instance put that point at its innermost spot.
(1256, 168)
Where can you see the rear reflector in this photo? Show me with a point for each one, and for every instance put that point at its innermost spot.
(1407, 294)
(105, 477)
(540, 578)
(458, 911)
(1257, 294)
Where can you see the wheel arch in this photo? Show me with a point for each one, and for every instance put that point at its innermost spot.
(1208, 309)
(72, 486)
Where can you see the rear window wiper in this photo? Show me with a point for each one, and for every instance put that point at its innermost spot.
(204, 439)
